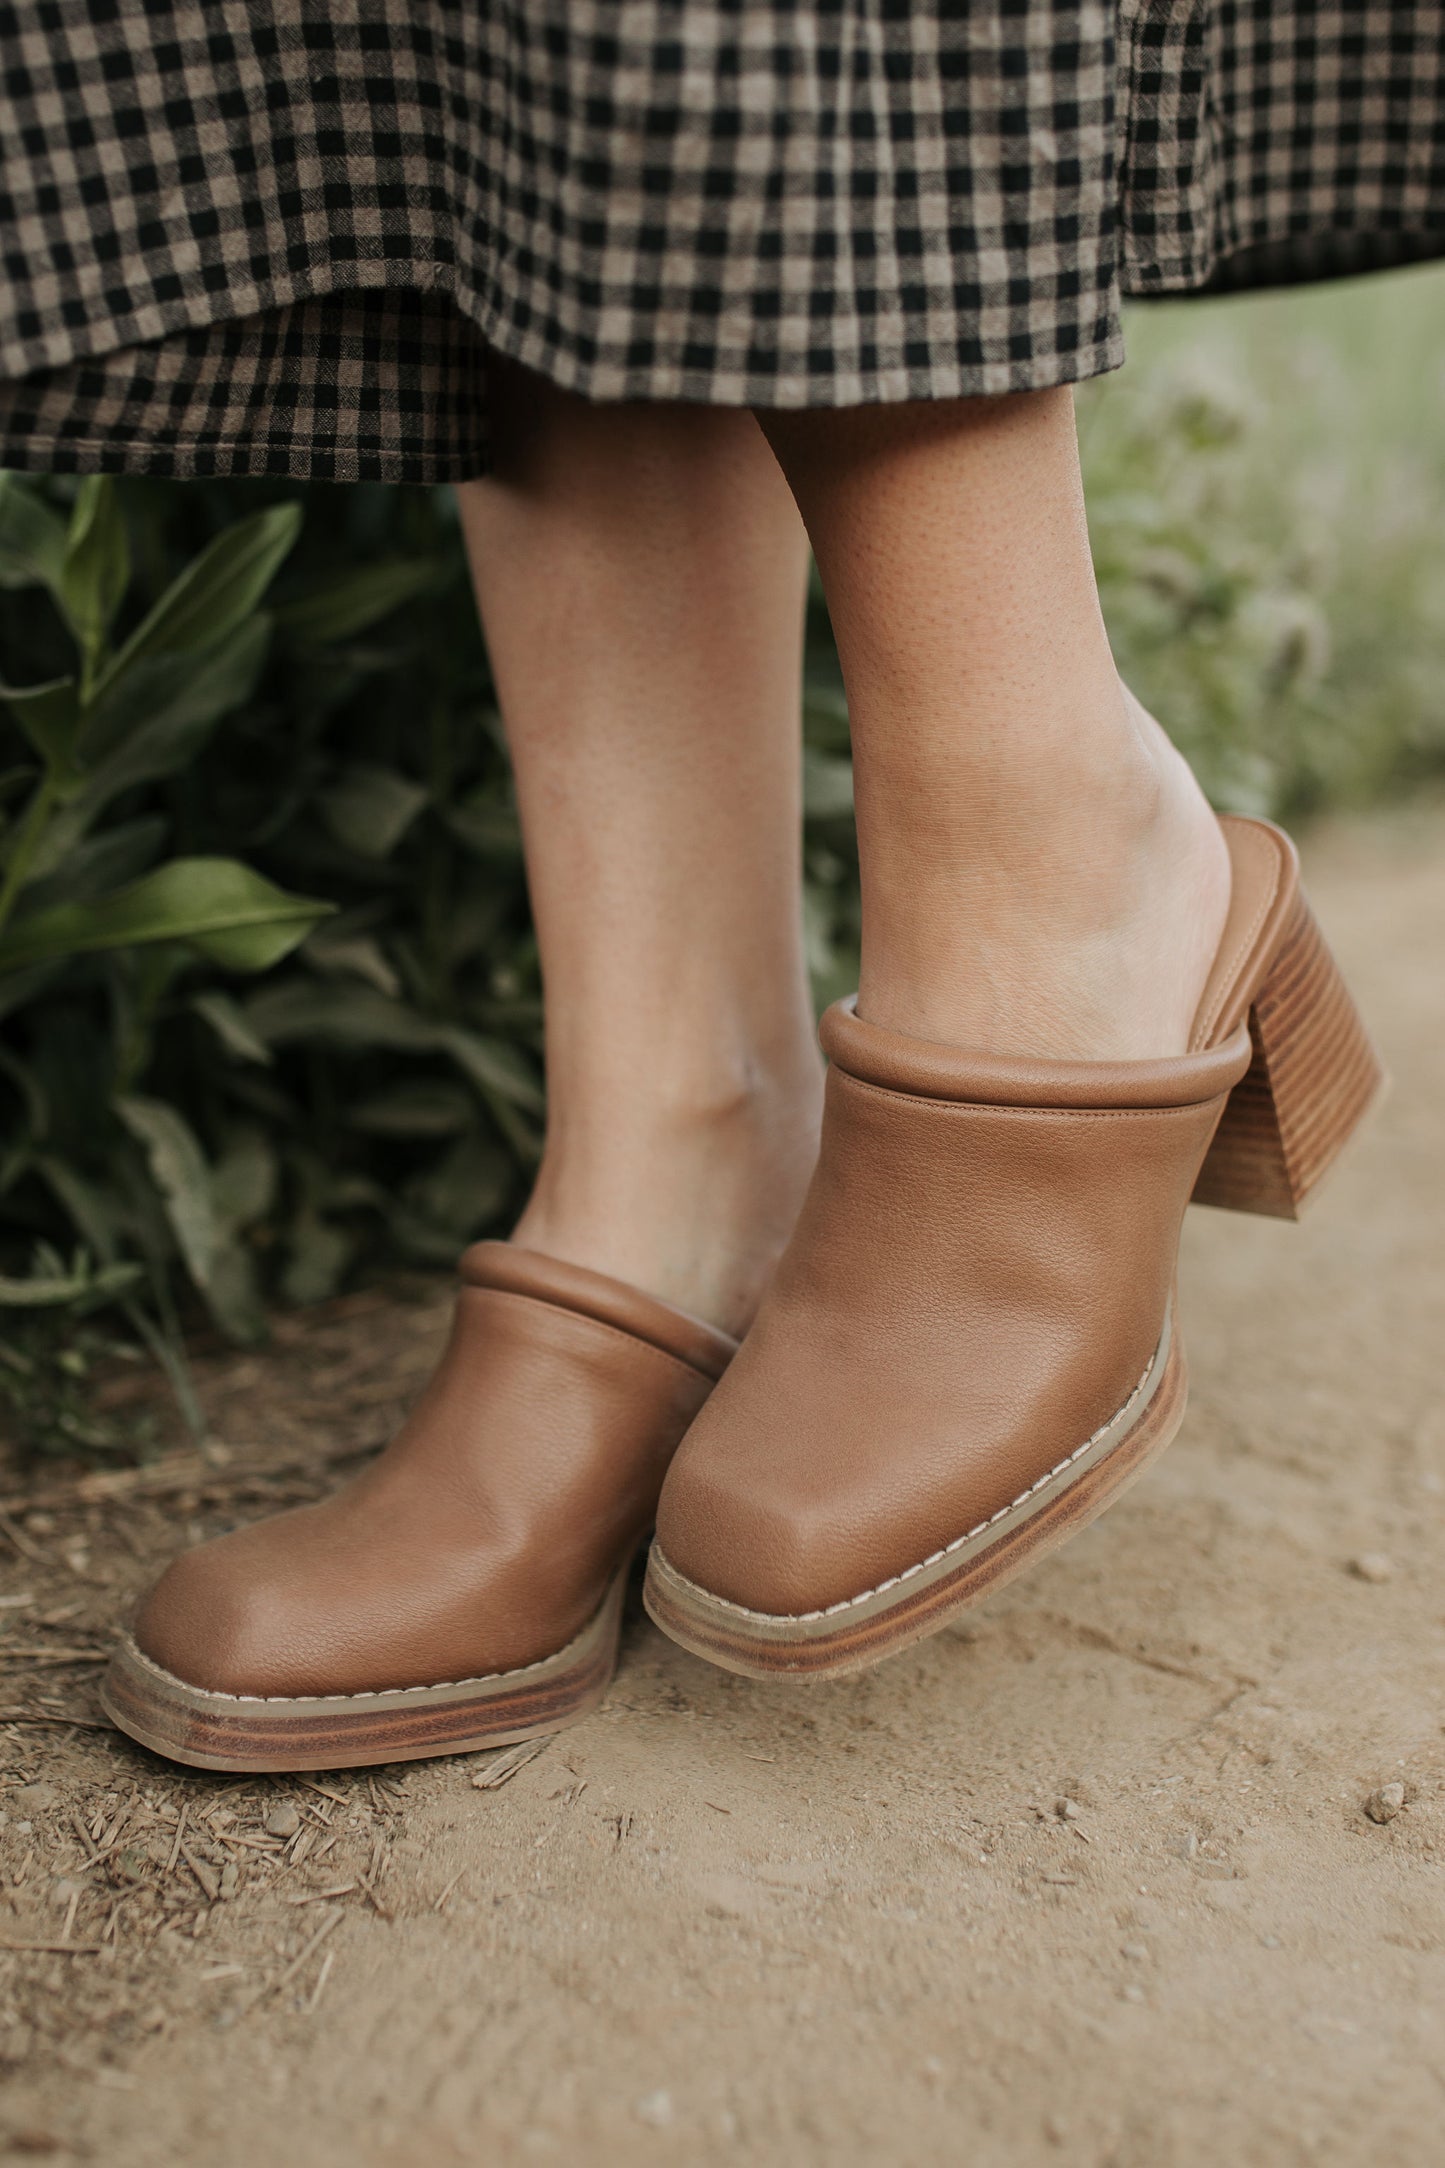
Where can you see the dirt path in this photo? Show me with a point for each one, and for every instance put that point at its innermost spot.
(1088, 1880)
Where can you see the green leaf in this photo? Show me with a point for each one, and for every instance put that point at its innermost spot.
(96, 567)
(827, 786)
(818, 932)
(152, 722)
(455, 1198)
(347, 604)
(50, 716)
(218, 591)
(488, 829)
(334, 948)
(476, 915)
(178, 1169)
(90, 1211)
(14, 780)
(243, 1184)
(32, 1092)
(494, 1065)
(91, 867)
(429, 1107)
(825, 718)
(168, 1349)
(17, 1142)
(369, 809)
(32, 537)
(320, 1254)
(92, 1288)
(230, 1026)
(19, 988)
(356, 1016)
(342, 1014)
(233, 1295)
(154, 712)
(139, 983)
(244, 1180)
(219, 907)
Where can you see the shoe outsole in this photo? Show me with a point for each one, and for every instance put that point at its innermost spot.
(252, 1734)
(851, 1636)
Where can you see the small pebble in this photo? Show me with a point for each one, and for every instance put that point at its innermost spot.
(1133, 1992)
(1136, 1952)
(283, 1821)
(230, 1878)
(62, 1892)
(654, 2109)
(1068, 1810)
(34, 1796)
(1373, 1566)
(1383, 1805)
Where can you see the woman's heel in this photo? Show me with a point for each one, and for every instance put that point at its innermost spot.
(1313, 1079)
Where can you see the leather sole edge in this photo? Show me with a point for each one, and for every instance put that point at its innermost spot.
(239, 1734)
(851, 1637)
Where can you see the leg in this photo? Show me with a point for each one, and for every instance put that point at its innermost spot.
(641, 577)
(1041, 874)
(968, 1347)
(640, 572)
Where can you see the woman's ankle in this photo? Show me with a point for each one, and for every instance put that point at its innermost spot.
(693, 1204)
(1081, 926)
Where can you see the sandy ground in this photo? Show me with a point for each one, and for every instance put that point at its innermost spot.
(1089, 1879)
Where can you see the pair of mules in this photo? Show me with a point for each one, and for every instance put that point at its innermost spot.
(969, 1347)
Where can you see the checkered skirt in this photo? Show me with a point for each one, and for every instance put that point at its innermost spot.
(281, 236)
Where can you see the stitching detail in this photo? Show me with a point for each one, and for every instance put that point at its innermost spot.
(1204, 1030)
(934, 1558)
(131, 1648)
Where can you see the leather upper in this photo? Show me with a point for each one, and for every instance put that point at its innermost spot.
(977, 1283)
(488, 1532)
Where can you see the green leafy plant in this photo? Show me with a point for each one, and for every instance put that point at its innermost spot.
(95, 919)
(1267, 500)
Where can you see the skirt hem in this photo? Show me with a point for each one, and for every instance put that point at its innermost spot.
(30, 444)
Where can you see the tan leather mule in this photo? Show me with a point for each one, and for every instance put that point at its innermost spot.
(969, 1346)
(466, 1589)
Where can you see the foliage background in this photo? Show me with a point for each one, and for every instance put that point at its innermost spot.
(345, 1073)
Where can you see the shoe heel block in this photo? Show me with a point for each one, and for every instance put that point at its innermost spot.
(1313, 1078)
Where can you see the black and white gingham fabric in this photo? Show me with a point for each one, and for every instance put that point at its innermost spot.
(279, 236)
(377, 384)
